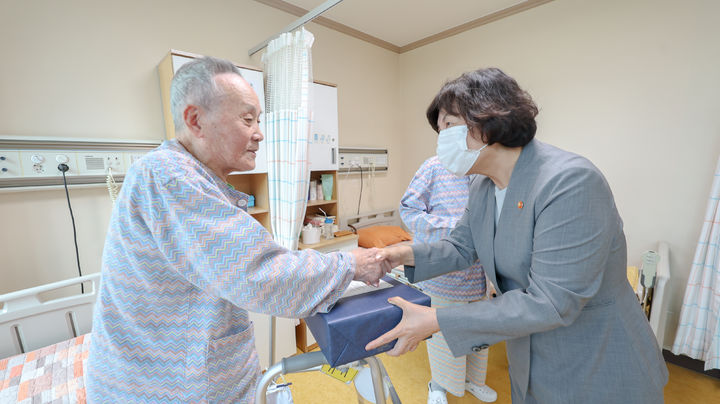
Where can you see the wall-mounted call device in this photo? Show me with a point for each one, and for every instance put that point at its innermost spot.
(362, 159)
(33, 162)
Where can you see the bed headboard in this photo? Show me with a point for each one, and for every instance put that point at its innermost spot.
(389, 217)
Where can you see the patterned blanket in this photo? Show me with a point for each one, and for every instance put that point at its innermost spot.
(53, 374)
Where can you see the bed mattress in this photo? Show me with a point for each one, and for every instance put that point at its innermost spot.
(53, 374)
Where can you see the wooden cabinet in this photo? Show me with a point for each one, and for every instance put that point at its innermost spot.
(330, 207)
(323, 141)
(257, 186)
(303, 337)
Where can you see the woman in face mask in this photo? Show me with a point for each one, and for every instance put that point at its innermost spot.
(434, 202)
(544, 225)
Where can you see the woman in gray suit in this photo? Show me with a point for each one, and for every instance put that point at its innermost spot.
(544, 225)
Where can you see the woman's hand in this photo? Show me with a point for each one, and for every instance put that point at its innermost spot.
(399, 255)
(491, 291)
(418, 322)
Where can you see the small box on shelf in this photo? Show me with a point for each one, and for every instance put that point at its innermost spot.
(254, 184)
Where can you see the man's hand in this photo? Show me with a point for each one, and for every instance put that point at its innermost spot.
(418, 322)
(370, 266)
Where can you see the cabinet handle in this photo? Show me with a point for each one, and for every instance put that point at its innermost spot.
(332, 154)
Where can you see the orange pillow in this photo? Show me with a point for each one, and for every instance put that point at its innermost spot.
(381, 236)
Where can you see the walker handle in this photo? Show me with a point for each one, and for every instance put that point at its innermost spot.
(300, 363)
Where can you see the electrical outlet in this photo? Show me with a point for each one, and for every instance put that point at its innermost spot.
(114, 162)
(10, 164)
(130, 158)
(365, 159)
(34, 163)
(44, 163)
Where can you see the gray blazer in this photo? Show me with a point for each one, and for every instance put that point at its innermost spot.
(573, 327)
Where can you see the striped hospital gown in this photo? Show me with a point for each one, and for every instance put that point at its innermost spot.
(182, 265)
(433, 203)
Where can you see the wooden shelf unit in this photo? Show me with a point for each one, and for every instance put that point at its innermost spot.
(256, 185)
(330, 207)
(320, 202)
(328, 243)
(303, 338)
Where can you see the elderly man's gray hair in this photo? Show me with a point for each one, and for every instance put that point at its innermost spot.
(194, 84)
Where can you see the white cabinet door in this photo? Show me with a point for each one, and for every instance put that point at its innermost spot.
(255, 78)
(323, 142)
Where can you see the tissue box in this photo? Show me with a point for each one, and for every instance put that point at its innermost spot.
(356, 320)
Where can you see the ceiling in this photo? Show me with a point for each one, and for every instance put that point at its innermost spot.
(403, 25)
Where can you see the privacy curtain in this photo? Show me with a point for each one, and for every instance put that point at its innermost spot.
(288, 76)
(698, 334)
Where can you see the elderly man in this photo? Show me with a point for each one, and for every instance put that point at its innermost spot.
(184, 262)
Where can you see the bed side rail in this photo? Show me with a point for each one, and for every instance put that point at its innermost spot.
(29, 322)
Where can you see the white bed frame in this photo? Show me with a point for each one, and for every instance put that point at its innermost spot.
(389, 217)
(28, 321)
(661, 295)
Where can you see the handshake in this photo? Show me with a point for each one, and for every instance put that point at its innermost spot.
(371, 264)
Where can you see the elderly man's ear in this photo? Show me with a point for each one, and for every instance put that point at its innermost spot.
(191, 116)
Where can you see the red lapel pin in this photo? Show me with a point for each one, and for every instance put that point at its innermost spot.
(520, 205)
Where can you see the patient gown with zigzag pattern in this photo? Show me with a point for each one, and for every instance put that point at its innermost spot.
(182, 265)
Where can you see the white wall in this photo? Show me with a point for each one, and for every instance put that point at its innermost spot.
(632, 85)
(83, 68)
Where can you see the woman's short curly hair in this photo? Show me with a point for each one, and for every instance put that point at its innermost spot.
(491, 101)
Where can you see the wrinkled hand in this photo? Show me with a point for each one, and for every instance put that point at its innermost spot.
(418, 322)
(370, 266)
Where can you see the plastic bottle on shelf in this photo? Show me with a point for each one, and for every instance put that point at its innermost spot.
(327, 229)
(313, 191)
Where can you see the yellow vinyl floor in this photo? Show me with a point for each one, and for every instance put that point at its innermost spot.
(411, 372)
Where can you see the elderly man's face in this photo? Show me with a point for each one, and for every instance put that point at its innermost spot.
(232, 128)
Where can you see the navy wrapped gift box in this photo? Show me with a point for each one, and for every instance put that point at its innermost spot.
(343, 332)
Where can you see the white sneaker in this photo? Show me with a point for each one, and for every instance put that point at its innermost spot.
(483, 393)
(436, 397)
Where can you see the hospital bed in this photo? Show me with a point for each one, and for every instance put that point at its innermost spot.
(34, 366)
(661, 295)
(387, 217)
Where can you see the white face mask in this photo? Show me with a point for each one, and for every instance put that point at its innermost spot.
(453, 152)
